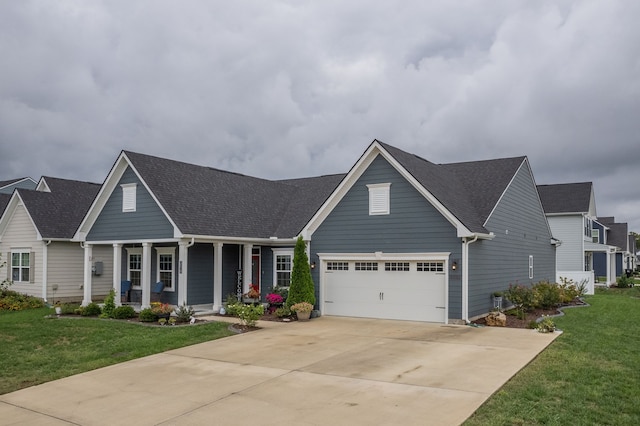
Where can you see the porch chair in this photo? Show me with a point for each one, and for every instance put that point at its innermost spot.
(125, 291)
(156, 291)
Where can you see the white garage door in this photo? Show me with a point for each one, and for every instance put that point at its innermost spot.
(406, 290)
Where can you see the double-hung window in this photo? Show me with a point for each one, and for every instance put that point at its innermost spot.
(134, 266)
(21, 266)
(166, 270)
(283, 264)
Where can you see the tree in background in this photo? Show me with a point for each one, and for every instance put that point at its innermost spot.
(301, 288)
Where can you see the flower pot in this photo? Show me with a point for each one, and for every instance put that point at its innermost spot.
(165, 316)
(303, 316)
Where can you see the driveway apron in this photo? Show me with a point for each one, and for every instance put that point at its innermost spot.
(328, 371)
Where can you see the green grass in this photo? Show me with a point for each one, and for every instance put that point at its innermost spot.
(35, 349)
(589, 375)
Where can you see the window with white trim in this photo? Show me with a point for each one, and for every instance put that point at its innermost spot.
(531, 267)
(379, 196)
(366, 266)
(166, 267)
(396, 266)
(595, 235)
(337, 266)
(134, 266)
(128, 197)
(430, 266)
(282, 265)
(21, 266)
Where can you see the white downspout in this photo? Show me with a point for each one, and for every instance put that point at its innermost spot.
(465, 277)
(45, 261)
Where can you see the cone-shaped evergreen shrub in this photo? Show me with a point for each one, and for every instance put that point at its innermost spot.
(301, 288)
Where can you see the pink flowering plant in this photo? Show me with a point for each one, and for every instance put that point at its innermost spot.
(274, 299)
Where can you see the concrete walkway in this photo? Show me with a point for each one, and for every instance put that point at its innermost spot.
(328, 371)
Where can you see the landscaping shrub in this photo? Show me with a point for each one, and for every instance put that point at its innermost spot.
(13, 301)
(91, 310)
(248, 314)
(283, 312)
(109, 305)
(69, 308)
(546, 295)
(123, 312)
(522, 297)
(624, 282)
(301, 288)
(184, 313)
(568, 290)
(147, 315)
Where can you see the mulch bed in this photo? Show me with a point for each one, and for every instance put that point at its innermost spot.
(514, 322)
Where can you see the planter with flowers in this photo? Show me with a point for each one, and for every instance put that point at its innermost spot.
(161, 310)
(253, 295)
(275, 301)
(302, 310)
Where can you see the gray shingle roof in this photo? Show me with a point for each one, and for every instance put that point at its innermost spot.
(618, 232)
(207, 201)
(565, 197)
(57, 214)
(469, 190)
(4, 200)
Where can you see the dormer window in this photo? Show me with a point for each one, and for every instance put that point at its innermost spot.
(128, 197)
(379, 198)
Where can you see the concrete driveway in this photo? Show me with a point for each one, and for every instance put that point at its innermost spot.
(328, 371)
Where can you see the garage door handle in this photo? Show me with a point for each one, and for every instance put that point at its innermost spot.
(381, 296)
(439, 307)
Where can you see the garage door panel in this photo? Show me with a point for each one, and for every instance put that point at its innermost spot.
(408, 295)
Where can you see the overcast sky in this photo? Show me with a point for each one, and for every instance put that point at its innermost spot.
(283, 89)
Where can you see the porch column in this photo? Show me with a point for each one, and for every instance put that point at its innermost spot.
(88, 253)
(146, 275)
(183, 267)
(217, 277)
(246, 267)
(117, 272)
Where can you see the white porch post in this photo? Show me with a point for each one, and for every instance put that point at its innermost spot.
(146, 275)
(117, 272)
(88, 253)
(217, 277)
(246, 267)
(183, 267)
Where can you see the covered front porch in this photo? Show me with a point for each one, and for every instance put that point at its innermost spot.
(196, 271)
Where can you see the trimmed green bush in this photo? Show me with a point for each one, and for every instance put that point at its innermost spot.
(91, 310)
(147, 315)
(124, 312)
(301, 288)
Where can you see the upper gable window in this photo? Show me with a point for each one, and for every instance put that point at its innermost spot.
(379, 198)
(129, 197)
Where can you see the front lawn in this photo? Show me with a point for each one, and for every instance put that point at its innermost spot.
(35, 349)
(588, 375)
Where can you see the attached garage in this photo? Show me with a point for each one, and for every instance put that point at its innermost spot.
(393, 287)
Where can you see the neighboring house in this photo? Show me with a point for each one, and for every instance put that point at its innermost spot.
(7, 186)
(397, 237)
(571, 212)
(36, 229)
(623, 247)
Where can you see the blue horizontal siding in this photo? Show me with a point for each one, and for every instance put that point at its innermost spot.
(147, 222)
(413, 226)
